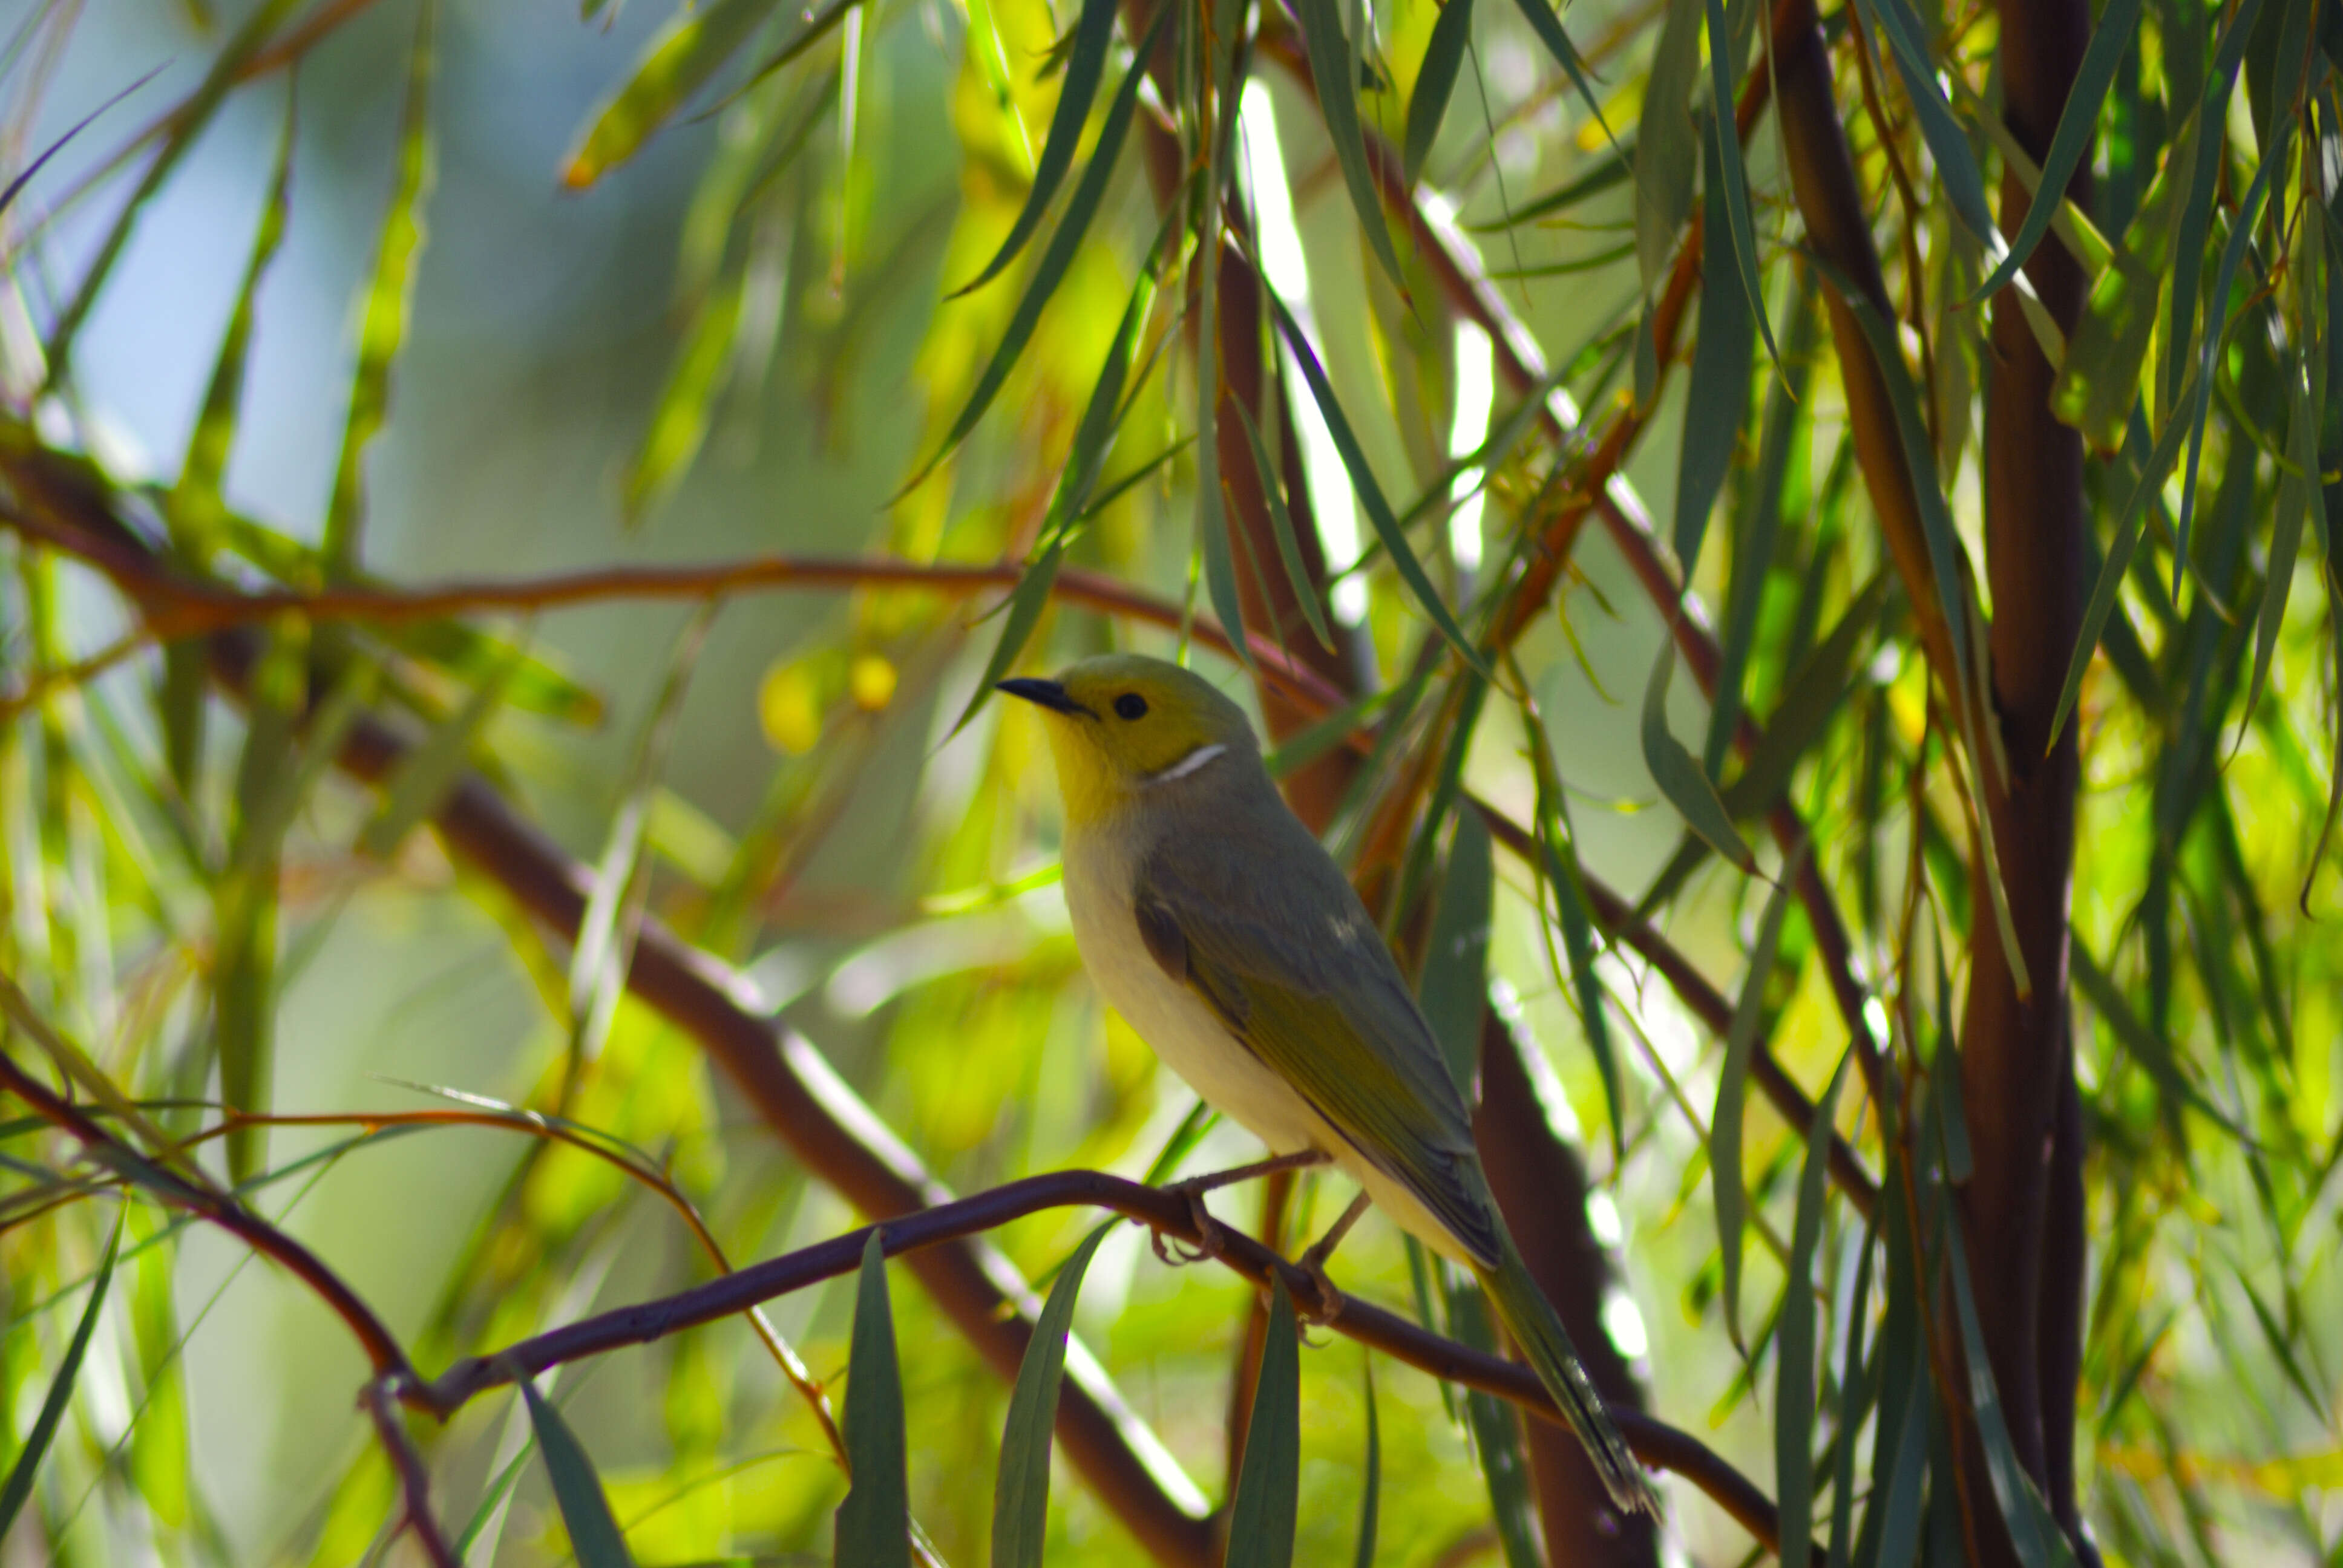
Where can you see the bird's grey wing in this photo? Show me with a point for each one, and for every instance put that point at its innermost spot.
(1299, 975)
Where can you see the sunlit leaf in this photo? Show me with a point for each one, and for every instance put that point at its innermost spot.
(1051, 270)
(1076, 89)
(1435, 79)
(389, 300)
(690, 49)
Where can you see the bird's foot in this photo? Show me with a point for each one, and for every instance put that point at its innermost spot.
(1327, 1300)
(1210, 1243)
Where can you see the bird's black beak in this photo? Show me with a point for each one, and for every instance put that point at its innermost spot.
(1045, 693)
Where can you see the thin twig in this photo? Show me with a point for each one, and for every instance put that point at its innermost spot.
(413, 1477)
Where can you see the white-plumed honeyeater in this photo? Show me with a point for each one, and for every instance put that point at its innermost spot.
(1222, 932)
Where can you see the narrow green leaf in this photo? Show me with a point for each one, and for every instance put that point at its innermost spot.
(1021, 1493)
(1729, 1196)
(2039, 1541)
(1076, 89)
(2281, 1344)
(1759, 525)
(1905, 1462)
(188, 121)
(2129, 519)
(1947, 562)
(1454, 992)
(1051, 271)
(1547, 26)
(1496, 1430)
(195, 502)
(389, 299)
(244, 902)
(1677, 773)
(678, 425)
(1266, 1508)
(678, 62)
(1667, 153)
(1217, 107)
(1026, 603)
(593, 1534)
(1794, 1336)
(1371, 1483)
(1858, 1391)
(2306, 388)
(1816, 690)
(1725, 145)
(2144, 1044)
(817, 26)
(1558, 866)
(1444, 56)
(426, 774)
(1614, 167)
(1337, 77)
(2215, 332)
(604, 948)
(18, 1487)
(1718, 400)
(1956, 163)
(874, 1522)
(194, 507)
(1370, 495)
(1200, 1118)
(1446, 783)
(1945, 1086)
(1281, 517)
(470, 654)
(2119, 23)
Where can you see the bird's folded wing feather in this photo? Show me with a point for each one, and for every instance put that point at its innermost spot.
(1317, 997)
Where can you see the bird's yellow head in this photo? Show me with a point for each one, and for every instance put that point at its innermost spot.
(1121, 725)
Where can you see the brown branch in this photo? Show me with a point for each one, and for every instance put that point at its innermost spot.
(190, 1194)
(176, 607)
(414, 1478)
(1838, 228)
(195, 1197)
(2024, 1220)
(1165, 1212)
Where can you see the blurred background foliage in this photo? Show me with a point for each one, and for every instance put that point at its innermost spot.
(334, 299)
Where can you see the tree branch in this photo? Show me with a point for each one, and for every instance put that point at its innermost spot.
(1168, 1213)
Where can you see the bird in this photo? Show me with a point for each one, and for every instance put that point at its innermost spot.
(1212, 920)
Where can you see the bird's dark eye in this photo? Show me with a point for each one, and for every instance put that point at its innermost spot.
(1130, 705)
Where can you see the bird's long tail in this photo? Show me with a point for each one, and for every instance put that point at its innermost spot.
(1531, 1319)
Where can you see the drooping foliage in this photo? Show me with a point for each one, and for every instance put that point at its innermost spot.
(1790, 552)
